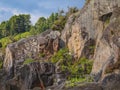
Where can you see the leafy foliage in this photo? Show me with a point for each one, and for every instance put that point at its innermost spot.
(28, 61)
(62, 55)
(59, 24)
(86, 65)
(78, 70)
(5, 41)
(71, 10)
(19, 24)
(41, 25)
(74, 81)
(16, 25)
(75, 67)
(22, 35)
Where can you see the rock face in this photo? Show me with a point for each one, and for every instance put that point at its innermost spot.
(107, 52)
(94, 32)
(30, 76)
(19, 76)
(111, 82)
(36, 48)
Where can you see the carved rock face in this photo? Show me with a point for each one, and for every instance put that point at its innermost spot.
(32, 47)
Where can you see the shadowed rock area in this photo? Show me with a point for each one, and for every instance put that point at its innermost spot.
(30, 76)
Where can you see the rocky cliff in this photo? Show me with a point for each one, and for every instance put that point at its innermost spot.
(93, 32)
(18, 75)
(35, 47)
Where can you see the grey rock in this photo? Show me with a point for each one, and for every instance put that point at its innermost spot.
(96, 25)
(45, 44)
(29, 76)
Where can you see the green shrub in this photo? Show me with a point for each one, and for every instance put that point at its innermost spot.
(62, 54)
(75, 67)
(22, 35)
(74, 81)
(5, 41)
(28, 61)
(59, 24)
(78, 69)
(81, 67)
(86, 65)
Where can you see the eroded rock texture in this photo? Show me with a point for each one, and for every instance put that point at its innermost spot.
(94, 32)
(107, 52)
(36, 47)
(29, 77)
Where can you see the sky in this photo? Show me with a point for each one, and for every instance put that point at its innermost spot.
(36, 8)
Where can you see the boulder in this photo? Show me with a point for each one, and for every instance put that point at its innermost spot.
(111, 82)
(36, 47)
(30, 76)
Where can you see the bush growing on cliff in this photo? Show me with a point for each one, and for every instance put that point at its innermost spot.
(5, 41)
(64, 58)
(22, 35)
(62, 54)
(59, 24)
(81, 66)
(86, 65)
(28, 61)
(78, 69)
